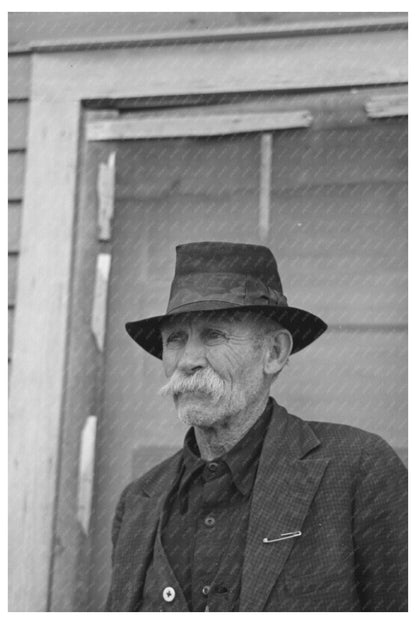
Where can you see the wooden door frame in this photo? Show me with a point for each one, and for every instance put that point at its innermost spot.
(42, 539)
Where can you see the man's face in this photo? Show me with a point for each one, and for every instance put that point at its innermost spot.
(214, 362)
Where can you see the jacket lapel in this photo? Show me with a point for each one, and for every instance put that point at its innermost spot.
(136, 540)
(283, 492)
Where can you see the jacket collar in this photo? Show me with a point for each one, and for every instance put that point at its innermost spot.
(285, 486)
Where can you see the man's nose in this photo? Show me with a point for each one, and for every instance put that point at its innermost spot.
(192, 357)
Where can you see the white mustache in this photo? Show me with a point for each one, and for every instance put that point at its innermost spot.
(204, 380)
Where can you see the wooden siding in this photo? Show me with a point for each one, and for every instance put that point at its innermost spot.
(19, 76)
(14, 214)
(18, 117)
(16, 175)
(26, 28)
(13, 262)
(18, 108)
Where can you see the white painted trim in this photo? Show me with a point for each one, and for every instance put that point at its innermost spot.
(266, 154)
(40, 330)
(86, 472)
(387, 106)
(234, 66)
(99, 310)
(194, 126)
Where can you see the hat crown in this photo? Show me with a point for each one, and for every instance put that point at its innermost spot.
(227, 276)
(255, 261)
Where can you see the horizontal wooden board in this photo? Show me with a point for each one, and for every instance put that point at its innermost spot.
(16, 175)
(268, 65)
(28, 28)
(12, 278)
(387, 106)
(19, 76)
(14, 221)
(18, 120)
(204, 125)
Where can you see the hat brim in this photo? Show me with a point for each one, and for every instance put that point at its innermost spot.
(304, 326)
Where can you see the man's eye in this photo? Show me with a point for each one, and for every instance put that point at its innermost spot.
(213, 336)
(176, 338)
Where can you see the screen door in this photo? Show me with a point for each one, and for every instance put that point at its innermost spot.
(335, 218)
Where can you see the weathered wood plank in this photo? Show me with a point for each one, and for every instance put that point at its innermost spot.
(105, 191)
(14, 220)
(194, 126)
(17, 126)
(333, 61)
(37, 379)
(19, 76)
(10, 332)
(266, 155)
(12, 278)
(71, 564)
(99, 309)
(387, 106)
(16, 175)
(103, 29)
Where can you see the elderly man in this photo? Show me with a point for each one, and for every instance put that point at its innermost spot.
(260, 510)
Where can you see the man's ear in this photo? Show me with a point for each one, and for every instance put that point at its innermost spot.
(279, 347)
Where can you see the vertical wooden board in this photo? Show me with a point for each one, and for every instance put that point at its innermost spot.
(14, 220)
(18, 113)
(16, 175)
(10, 332)
(36, 386)
(12, 281)
(19, 76)
(70, 566)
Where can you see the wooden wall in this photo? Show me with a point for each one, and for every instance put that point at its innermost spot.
(29, 27)
(18, 108)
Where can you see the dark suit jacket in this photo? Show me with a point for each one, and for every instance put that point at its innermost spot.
(343, 488)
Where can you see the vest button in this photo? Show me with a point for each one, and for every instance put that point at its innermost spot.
(212, 466)
(205, 590)
(169, 594)
(209, 521)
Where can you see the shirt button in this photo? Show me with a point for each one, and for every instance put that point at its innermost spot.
(169, 594)
(205, 590)
(212, 466)
(209, 521)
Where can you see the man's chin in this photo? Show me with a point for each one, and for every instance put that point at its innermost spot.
(196, 412)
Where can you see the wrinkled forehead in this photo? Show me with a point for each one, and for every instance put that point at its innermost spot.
(218, 317)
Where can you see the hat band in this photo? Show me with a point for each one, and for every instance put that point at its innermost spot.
(233, 288)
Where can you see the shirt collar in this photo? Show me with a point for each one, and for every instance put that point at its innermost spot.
(241, 459)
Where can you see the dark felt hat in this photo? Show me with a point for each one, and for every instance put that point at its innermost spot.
(227, 276)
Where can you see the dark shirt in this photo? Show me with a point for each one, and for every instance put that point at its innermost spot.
(205, 519)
